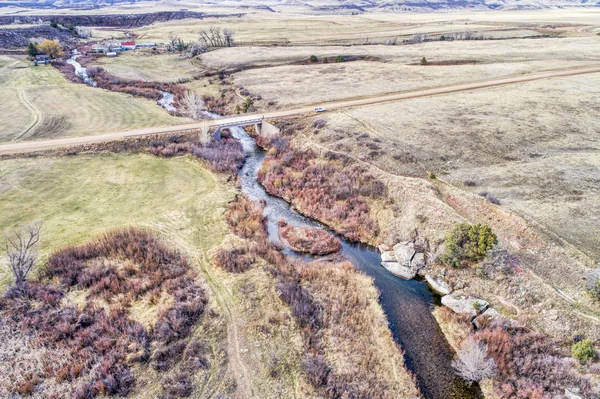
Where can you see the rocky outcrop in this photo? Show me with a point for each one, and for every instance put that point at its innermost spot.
(404, 252)
(438, 285)
(309, 240)
(388, 256)
(398, 270)
(460, 303)
(404, 261)
(119, 20)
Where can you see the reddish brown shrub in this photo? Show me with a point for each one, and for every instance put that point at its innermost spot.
(235, 260)
(119, 267)
(323, 189)
(314, 241)
(224, 156)
(530, 364)
(246, 218)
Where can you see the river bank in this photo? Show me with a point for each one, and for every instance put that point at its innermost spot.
(407, 304)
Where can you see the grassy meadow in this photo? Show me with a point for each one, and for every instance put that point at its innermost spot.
(80, 197)
(42, 104)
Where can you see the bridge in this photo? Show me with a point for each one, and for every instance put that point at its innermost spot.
(258, 122)
(262, 128)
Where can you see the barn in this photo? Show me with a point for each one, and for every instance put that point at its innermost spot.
(128, 45)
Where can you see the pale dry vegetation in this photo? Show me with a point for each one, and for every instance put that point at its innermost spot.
(348, 350)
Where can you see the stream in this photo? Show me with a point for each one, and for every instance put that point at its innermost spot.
(406, 303)
(80, 70)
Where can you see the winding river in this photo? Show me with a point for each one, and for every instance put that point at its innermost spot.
(407, 304)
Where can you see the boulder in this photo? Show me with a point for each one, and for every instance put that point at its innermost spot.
(462, 304)
(418, 261)
(388, 256)
(404, 252)
(490, 313)
(438, 285)
(398, 270)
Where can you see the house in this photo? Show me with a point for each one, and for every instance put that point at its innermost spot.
(98, 50)
(111, 54)
(41, 59)
(128, 45)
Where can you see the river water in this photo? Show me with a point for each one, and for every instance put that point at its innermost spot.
(80, 70)
(407, 304)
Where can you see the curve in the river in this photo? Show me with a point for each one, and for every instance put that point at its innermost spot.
(407, 304)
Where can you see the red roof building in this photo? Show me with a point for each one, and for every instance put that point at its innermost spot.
(128, 45)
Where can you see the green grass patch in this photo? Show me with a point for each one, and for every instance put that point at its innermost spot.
(80, 197)
(42, 104)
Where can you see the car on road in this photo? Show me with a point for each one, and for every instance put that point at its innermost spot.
(320, 109)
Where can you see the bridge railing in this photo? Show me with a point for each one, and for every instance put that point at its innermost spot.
(242, 123)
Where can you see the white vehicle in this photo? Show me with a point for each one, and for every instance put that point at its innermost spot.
(320, 109)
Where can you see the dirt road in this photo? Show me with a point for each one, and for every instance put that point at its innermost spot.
(65, 142)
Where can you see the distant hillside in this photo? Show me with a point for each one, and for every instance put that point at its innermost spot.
(434, 5)
(323, 6)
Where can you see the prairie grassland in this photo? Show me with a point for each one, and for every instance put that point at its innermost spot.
(533, 145)
(141, 65)
(298, 30)
(43, 104)
(306, 28)
(168, 68)
(393, 68)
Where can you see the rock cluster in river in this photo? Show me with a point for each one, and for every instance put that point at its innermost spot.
(405, 260)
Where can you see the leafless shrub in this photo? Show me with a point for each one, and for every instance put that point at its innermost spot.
(235, 260)
(472, 362)
(83, 32)
(529, 364)
(470, 183)
(492, 198)
(319, 123)
(498, 263)
(20, 250)
(418, 38)
(192, 105)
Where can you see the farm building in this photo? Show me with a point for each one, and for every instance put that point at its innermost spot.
(111, 54)
(128, 45)
(149, 44)
(41, 59)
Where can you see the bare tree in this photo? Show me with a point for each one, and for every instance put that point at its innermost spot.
(228, 37)
(472, 363)
(20, 250)
(83, 32)
(195, 48)
(216, 37)
(173, 42)
(193, 105)
(418, 38)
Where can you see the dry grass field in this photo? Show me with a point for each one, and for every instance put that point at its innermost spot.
(43, 104)
(141, 65)
(533, 145)
(393, 68)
